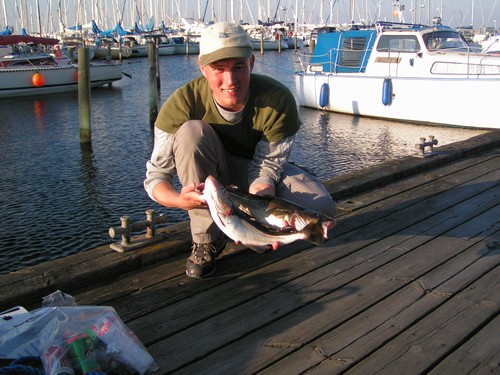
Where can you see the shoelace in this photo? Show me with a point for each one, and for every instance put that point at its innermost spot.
(203, 250)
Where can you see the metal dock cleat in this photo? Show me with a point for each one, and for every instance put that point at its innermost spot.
(127, 243)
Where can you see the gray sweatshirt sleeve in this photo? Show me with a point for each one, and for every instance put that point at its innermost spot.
(161, 166)
(268, 161)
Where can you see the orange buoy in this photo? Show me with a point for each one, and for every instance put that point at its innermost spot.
(38, 80)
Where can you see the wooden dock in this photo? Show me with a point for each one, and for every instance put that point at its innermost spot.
(407, 284)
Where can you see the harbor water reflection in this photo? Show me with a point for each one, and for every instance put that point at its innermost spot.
(59, 197)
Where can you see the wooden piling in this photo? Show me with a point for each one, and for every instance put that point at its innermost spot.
(153, 86)
(158, 83)
(262, 43)
(83, 76)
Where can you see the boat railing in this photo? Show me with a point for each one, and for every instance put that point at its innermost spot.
(331, 62)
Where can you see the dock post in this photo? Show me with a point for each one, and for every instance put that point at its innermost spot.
(262, 43)
(153, 86)
(158, 83)
(279, 42)
(83, 76)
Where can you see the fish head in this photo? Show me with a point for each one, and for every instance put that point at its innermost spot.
(217, 198)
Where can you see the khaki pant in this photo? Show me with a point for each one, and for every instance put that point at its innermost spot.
(198, 152)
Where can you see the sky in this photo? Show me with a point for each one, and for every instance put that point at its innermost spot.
(480, 13)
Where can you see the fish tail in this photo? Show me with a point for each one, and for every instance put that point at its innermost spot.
(314, 233)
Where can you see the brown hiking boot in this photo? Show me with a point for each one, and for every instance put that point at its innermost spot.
(201, 263)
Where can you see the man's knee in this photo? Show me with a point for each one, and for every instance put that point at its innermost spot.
(194, 133)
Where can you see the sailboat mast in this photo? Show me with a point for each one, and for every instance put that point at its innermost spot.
(4, 13)
(39, 17)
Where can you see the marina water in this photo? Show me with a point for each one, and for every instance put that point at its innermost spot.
(58, 197)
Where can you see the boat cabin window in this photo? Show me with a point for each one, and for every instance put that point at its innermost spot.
(398, 43)
(353, 50)
(445, 40)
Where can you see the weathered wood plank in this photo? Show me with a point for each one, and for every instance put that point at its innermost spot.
(92, 268)
(428, 176)
(353, 340)
(99, 266)
(479, 355)
(184, 287)
(370, 178)
(307, 322)
(433, 337)
(297, 268)
(401, 260)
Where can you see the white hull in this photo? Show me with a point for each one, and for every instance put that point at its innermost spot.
(192, 48)
(166, 49)
(443, 101)
(116, 52)
(269, 45)
(18, 81)
(396, 77)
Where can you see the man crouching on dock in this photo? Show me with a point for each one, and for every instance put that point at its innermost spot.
(234, 125)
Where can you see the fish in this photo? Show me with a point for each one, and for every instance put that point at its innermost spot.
(281, 214)
(241, 228)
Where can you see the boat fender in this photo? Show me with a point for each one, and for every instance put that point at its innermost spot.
(387, 92)
(38, 79)
(324, 94)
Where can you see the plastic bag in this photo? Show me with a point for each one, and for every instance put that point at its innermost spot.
(77, 340)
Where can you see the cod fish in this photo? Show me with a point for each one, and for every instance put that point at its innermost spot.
(281, 214)
(238, 226)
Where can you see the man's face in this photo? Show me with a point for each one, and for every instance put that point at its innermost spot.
(229, 81)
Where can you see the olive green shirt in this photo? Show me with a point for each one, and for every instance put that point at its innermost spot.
(264, 134)
(270, 114)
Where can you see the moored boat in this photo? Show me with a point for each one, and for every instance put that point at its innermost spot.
(43, 73)
(405, 72)
(269, 44)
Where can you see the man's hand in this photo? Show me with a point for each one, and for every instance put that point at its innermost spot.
(190, 196)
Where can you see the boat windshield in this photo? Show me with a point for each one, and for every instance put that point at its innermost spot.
(439, 40)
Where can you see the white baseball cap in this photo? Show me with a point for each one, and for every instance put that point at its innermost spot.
(224, 40)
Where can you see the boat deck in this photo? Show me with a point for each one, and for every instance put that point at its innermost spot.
(407, 283)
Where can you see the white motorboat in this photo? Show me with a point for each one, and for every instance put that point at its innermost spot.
(405, 72)
(43, 73)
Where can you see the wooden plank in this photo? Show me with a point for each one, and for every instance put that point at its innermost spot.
(298, 267)
(92, 268)
(426, 177)
(301, 324)
(337, 350)
(435, 336)
(370, 178)
(99, 266)
(184, 287)
(478, 355)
